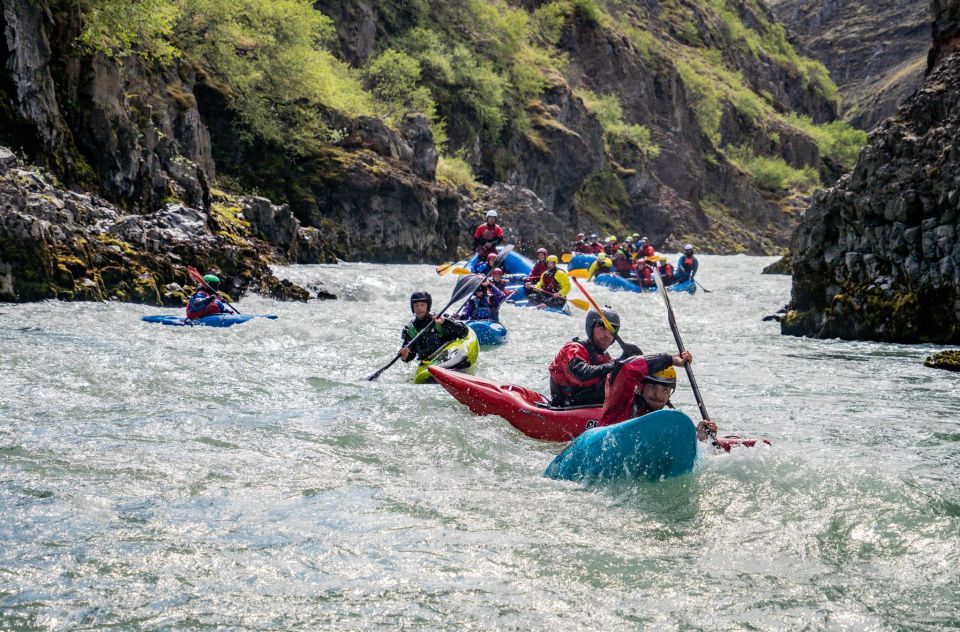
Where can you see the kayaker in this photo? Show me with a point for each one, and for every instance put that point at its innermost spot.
(595, 246)
(687, 265)
(580, 245)
(622, 265)
(539, 266)
(578, 372)
(552, 288)
(484, 304)
(487, 236)
(603, 265)
(203, 304)
(444, 329)
(482, 267)
(644, 384)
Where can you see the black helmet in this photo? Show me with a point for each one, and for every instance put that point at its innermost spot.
(420, 297)
(593, 317)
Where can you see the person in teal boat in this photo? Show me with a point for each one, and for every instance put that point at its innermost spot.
(443, 330)
(484, 304)
(202, 304)
(639, 385)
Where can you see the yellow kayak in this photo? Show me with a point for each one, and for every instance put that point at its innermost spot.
(458, 355)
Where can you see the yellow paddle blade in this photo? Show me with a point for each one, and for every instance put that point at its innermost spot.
(566, 257)
(443, 268)
(579, 303)
(461, 271)
(580, 274)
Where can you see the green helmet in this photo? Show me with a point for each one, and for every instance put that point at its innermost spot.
(212, 279)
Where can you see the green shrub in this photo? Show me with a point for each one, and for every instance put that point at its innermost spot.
(120, 27)
(394, 77)
(772, 173)
(455, 172)
(837, 140)
(622, 138)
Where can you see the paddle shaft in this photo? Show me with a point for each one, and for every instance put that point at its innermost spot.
(681, 348)
(501, 257)
(196, 276)
(701, 286)
(603, 317)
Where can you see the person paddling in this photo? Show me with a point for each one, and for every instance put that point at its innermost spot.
(595, 246)
(643, 384)
(578, 372)
(580, 245)
(552, 288)
(623, 266)
(497, 280)
(444, 330)
(487, 236)
(645, 272)
(484, 304)
(202, 304)
(666, 271)
(687, 265)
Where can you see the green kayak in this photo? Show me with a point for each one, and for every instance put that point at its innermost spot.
(459, 355)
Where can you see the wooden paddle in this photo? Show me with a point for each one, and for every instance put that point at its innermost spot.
(196, 276)
(465, 290)
(681, 348)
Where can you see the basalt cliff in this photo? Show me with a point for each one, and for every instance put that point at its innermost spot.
(144, 138)
(877, 257)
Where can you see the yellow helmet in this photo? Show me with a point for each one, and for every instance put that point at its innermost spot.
(666, 377)
(602, 257)
(553, 259)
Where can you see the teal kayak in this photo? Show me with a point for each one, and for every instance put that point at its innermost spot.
(658, 445)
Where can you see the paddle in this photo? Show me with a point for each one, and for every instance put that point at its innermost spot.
(603, 317)
(701, 287)
(465, 290)
(566, 257)
(461, 271)
(196, 276)
(501, 257)
(579, 303)
(580, 273)
(676, 336)
(443, 268)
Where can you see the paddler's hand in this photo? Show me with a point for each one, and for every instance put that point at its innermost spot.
(528, 286)
(706, 428)
(439, 319)
(404, 354)
(679, 359)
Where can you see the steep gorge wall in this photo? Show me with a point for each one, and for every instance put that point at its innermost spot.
(878, 256)
(876, 50)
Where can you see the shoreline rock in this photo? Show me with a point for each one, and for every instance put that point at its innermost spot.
(946, 360)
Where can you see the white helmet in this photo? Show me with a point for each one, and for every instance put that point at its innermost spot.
(688, 247)
(492, 213)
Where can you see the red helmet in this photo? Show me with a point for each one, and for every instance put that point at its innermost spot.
(649, 251)
(492, 257)
(542, 251)
(496, 272)
(579, 236)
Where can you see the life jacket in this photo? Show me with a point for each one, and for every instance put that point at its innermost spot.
(666, 270)
(196, 310)
(596, 248)
(549, 282)
(622, 266)
(645, 274)
(686, 264)
(429, 342)
(538, 268)
(566, 387)
(483, 308)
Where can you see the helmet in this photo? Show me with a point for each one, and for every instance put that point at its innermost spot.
(492, 257)
(602, 256)
(645, 239)
(212, 279)
(421, 297)
(496, 271)
(593, 236)
(553, 259)
(688, 248)
(492, 213)
(593, 318)
(620, 254)
(649, 251)
(579, 236)
(635, 236)
(666, 377)
(541, 251)
(611, 239)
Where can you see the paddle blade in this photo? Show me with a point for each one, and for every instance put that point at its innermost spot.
(566, 257)
(443, 268)
(498, 262)
(465, 290)
(580, 273)
(579, 303)
(461, 271)
(195, 275)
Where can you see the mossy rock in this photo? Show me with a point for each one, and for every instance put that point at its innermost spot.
(946, 360)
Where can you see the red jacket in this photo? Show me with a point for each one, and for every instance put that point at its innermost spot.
(560, 371)
(538, 268)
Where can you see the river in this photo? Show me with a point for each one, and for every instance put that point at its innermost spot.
(248, 478)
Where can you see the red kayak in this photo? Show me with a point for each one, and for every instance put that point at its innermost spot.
(529, 411)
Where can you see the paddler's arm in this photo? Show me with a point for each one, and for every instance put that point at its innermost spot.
(454, 328)
(564, 282)
(705, 428)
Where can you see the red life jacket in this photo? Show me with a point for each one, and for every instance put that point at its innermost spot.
(687, 262)
(549, 283)
(560, 370)
(486, 232)
(622, 265)
(666, 270)
(538, 268)
(645, 274)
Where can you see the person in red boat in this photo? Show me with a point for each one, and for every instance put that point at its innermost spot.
(579, 370)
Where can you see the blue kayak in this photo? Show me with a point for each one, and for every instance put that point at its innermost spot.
(515, 263)
(581, 261)
(489, 333)
(619, 284)
(218, 320)
(656, 446)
